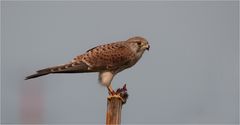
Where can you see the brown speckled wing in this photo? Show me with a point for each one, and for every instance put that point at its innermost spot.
(108, 57)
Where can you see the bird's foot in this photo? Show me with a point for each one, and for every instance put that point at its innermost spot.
(121, 93)
(116, 96)
(112, 92)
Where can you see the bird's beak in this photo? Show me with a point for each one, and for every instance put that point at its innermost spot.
(148, 47)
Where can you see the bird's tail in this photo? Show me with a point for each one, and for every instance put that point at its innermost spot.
(66, 68)
(36, 75)
(45, 71)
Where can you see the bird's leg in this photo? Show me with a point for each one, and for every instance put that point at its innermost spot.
(110, 90)
(117, 94)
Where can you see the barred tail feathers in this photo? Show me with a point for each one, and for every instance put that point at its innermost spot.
(45, 71)
(67, 68)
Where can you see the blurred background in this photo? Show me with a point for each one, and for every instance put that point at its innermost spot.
(190, 74)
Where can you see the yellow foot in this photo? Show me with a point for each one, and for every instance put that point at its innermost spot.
(111, 93)
(116, 96)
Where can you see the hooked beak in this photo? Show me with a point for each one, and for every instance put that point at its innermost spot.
(148, 47)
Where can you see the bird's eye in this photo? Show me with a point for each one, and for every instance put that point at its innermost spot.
(139, 43)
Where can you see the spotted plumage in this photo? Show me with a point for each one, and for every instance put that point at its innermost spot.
(108, 60)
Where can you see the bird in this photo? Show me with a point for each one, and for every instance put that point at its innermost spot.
(107, 60)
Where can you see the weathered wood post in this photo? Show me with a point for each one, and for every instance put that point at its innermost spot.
(114, 106)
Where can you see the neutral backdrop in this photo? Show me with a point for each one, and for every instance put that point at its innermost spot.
(190, 74)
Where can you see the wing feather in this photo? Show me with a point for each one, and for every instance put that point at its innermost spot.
(109, 57)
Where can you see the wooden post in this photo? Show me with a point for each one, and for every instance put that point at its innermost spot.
(114, 106)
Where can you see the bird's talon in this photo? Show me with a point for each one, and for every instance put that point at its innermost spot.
(111, 93)
(116, 96)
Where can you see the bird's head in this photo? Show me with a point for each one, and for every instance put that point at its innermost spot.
(138, 44)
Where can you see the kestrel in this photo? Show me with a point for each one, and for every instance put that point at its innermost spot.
(108, 60)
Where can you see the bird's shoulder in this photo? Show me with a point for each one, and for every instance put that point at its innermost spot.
(101, 53)
(108, 55)
(108, 47)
